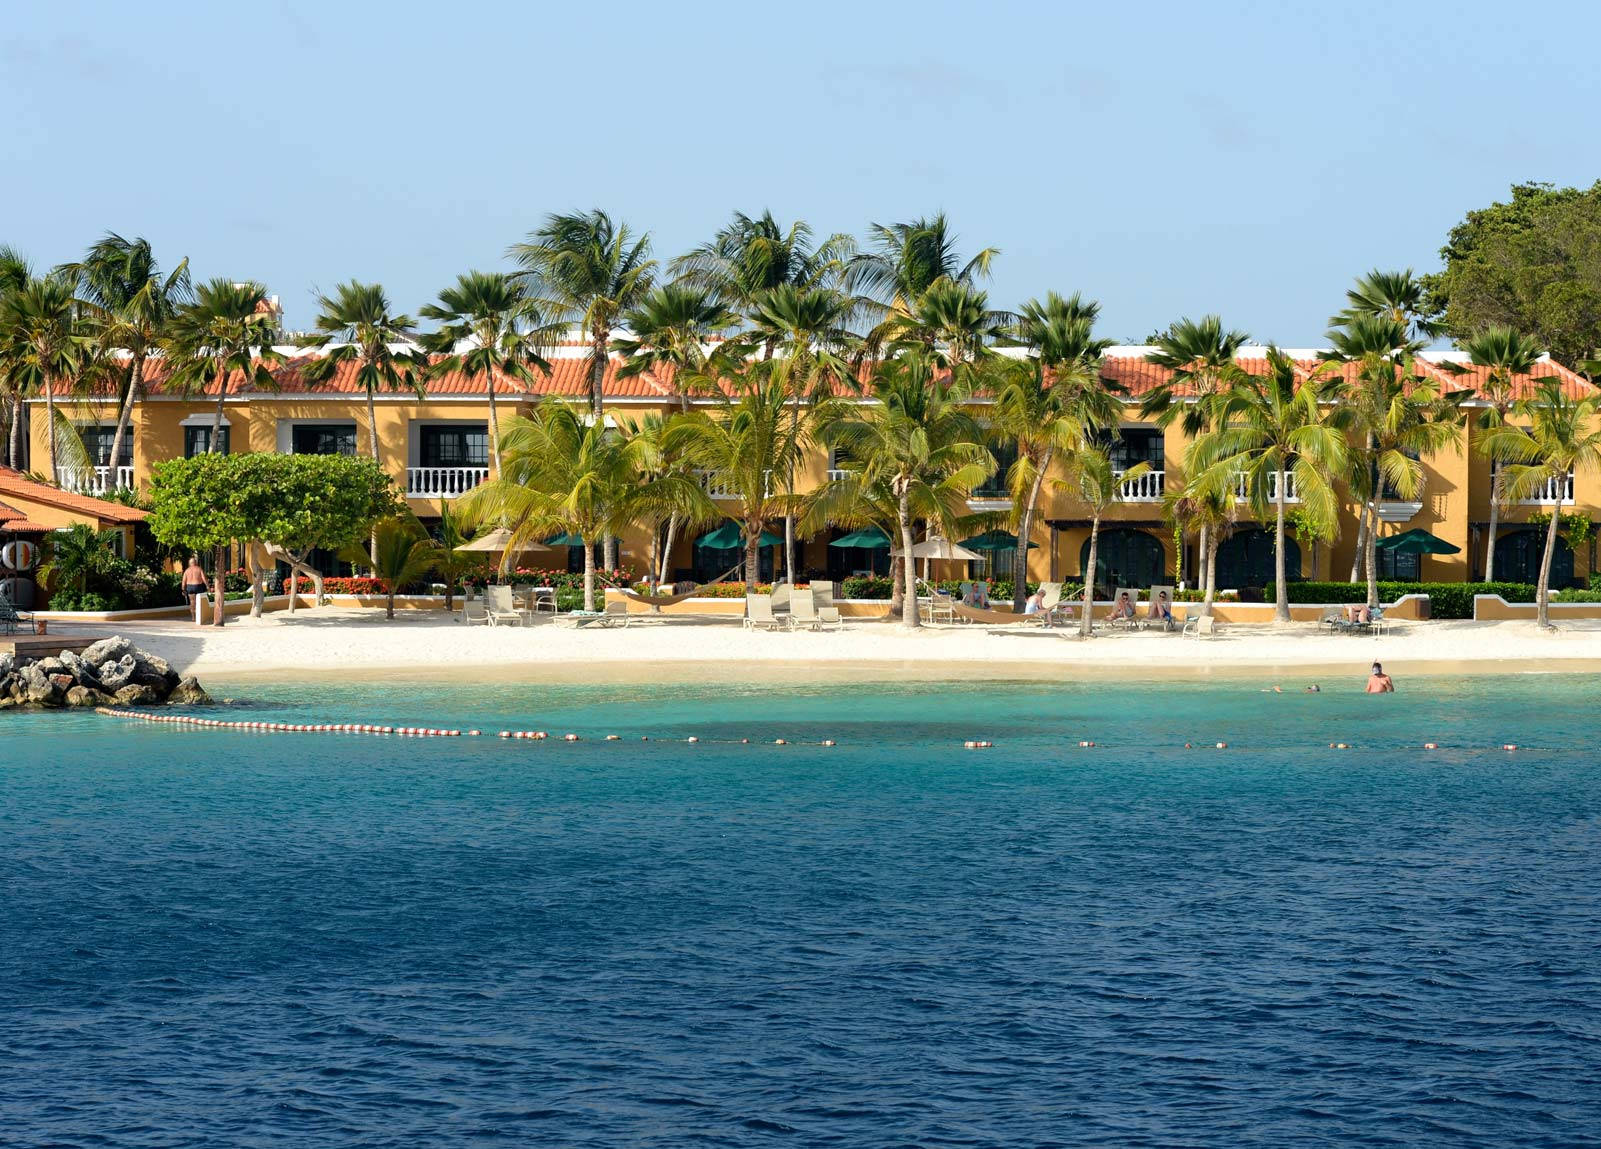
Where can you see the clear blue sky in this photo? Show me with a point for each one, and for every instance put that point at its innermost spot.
(1168, 159)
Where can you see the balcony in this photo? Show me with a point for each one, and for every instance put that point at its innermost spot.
(716, 488)
(1242, 487)
(97, 481)
(1551, 493)
(835, 474)
(442, 482)
(1148, 488)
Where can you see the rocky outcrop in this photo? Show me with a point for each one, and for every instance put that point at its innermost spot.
(110, 672)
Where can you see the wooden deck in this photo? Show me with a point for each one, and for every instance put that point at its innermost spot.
(44, 645)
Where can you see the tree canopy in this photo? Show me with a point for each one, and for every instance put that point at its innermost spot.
(1532, 263)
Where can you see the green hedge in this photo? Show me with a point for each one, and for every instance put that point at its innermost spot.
(1591, 595)
(1446, 599)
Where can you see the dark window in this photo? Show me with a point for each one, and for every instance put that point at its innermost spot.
(97, 441)
(455, 447)
(1135, 445)
(1125, 557)
(323, 439)
(1397, 567)
(1518, 555)
(1245, 559)
(197, 441)
(846, 561)
(994, 487)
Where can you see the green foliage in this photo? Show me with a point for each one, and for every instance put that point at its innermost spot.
(1575, 529)
(77, 554)
(1533, 263)
(1575, 594)
(1447, 599)
(298, 502)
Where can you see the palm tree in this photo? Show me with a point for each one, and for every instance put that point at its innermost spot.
(1398, 414)
(1268, 428)
(1049, 404)
(743, 446)
(752, 256)
(591, 271)
(225, 328)
(14, 273)
(1095, 481)
(77, 554)
(918, 444)
(674, 331)
(1562, 438)
(129, 304)
(491, 329)
(402, 554)
(1201, 358)
(1398, 296)
(909, 258)
(355, 325)
(562, 471)
(952, 320)
(42, 343)
(1504, 353)
(453, 564)
(669, 489)
(805, 333)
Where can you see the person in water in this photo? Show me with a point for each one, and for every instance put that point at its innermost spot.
(1379, 682)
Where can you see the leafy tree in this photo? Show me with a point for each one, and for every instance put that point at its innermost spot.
(454, 564)
(355, 325)
(198, 504)
(1091, 475)
(669, 488)
(591, 271)
(14, 274)
(402, 554)
(1503, 353)
(491, 330)
(916, 443)
(1532, 263)
(129, 304)
(1562, 438)
(671, 332)
(225, 328)
(752, 256)
(42, 345)
(1049, 404)
(1269, 428)
(908, 258)
(1395, 295)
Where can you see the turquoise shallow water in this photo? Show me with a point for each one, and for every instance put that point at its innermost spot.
(214, 938)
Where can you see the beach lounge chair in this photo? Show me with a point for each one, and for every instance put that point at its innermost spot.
(1334, 618)
(502, 609)
(827, 612)
(780, 597)
(474, 610)
(759, 612)
(1201, 626)
(11, 621)
(802, 611)
(615, 613)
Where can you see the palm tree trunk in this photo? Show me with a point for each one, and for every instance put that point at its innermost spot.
(667, 549)
(216, 421)
(1200, 555)
(589, 573)
(1281, 591)
(494, 429)
(1025, 528)
(910, 616)
(1373, 561)
(50, 431)
(219, 585)
(136, 372)
(1495, 522)
(608, 550)
(391, 604)
(1543, 593)
(1360, 550)
(897, 585)
(599, 340)
(372, 443)
(1085, 623)
(1212, 543)
(753, 556)
(15, 447)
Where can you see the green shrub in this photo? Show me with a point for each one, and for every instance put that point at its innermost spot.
(1576, 595)
(1446, 599)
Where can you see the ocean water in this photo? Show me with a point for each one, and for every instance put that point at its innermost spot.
(210, 938)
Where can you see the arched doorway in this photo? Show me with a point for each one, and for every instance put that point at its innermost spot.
(1245, 559)
(1518, 554)
(1125, 557)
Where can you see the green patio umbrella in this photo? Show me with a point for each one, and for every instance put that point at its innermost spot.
(729, 536)
(867, 539)
(1417, 541)
(996, 540)
(564, 540)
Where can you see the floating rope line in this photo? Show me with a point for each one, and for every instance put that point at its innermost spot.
(284, 727)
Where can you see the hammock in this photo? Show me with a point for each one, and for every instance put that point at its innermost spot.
(997, 617)
(657, 601)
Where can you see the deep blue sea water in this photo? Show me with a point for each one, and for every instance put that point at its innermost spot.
(223, 939)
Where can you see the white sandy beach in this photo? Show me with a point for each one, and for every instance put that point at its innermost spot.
(334, 641)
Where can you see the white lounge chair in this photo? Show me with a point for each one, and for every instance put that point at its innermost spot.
(501, 607)
(1201, 626)
(759, 613)
(616, 613)
(802, 611)
(827, 612)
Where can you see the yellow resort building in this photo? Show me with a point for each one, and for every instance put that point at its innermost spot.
(437, 448)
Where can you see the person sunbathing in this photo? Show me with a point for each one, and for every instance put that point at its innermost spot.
(1123, 608)
(1162, 610)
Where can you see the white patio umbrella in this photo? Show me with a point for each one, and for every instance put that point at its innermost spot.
(495, 543)
(937, 548)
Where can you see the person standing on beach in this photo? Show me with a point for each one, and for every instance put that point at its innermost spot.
(194, 585)
(1379, 682)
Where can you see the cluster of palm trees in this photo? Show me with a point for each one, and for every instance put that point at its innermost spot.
(886, 353)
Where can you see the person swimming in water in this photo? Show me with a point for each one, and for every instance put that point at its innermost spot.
(1379, 682)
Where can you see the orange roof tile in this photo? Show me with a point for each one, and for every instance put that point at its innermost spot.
(19, 485)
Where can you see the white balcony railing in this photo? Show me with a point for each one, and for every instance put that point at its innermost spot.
(442, 482)
(835, 474)
(717, 489)
(1242, 487)
(1552, 492)
(96, 480)
(1147, 488)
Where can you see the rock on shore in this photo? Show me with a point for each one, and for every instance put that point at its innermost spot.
(112, 672)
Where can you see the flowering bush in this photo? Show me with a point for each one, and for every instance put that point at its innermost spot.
(560, 579)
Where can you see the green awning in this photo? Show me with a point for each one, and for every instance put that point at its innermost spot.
(1417, 542)
(730, 536)
(996, 540)
(564, 540)
(867, 539)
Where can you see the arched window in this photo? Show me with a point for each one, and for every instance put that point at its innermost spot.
(1245, 559)
(1125, 557)
(1518, 554)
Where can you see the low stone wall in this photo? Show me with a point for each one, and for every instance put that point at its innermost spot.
(1494, 608)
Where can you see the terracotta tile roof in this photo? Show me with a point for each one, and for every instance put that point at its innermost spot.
(17, 484)
(16, 522)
